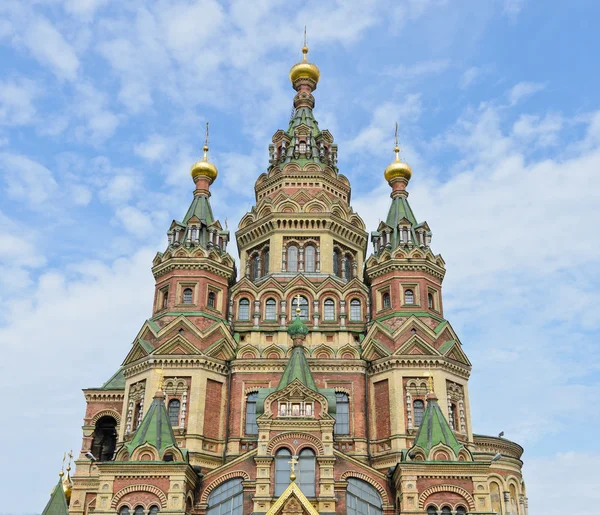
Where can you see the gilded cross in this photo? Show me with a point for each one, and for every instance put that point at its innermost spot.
(293, 462)
(298, 310)
(70, 455)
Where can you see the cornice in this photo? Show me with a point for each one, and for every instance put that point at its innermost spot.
(203, 263)
(405, 265)
(91, 394)
(398, 362)
(286, 172)
(494, 444)
(152, 361)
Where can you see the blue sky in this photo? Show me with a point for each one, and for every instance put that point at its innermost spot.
(102, 112)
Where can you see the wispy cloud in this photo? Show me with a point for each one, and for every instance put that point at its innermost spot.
(524, 90)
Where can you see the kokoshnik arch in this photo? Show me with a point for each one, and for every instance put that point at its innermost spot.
(324, 380)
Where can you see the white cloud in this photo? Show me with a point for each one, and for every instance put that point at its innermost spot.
(469, 76)
(155, 148)
(27, 179)
(99, 122)
(524, 90)
(16, 101)
(512, 8)
(134, 221)
(50, 48)
(543, 131)
(120, 188)
(84, 8)
(419, 70)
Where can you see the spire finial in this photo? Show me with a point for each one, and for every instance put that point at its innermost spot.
(62, 467)
(161, 380)
(293, 463)
(305, 47)
(298, 310)
(397, 147)
(206, 144)
(70, 456)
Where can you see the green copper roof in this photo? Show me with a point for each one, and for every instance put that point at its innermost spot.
(116, 382)
(155, 429)
(200, 208)
(297, 368)
(435, 430)
(297, 328)
(57, 505)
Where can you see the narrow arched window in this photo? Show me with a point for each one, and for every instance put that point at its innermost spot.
(430, 301)
(139, 510)
(418, 411)
(244, 310)
(174, 406)
(452, 416)
(309, 259)
(337, 269)
(431, 510)
(271, 309)
(362, 498)
(282, 470)
(342, 414)
(302, 147)
(409, 296)
(329, 310)
(306, 472)
(265, 260)
(292, 258)
(165, 299)
(153, 510)
(348, 267)
(105, 438)
(226, 499)
(355, 310)
(188, 295)
(251, 426)
(446, 509)
(462, 511)
(387, 303)
(137, 415)
(212, 300)
(124, 510)
(255, 267)
(303, 307)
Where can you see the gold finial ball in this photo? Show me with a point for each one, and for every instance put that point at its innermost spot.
(204, 168)
(397, 169)
(305, 70)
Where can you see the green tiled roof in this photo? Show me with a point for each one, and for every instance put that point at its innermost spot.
(155, 429)
(445, 346)
(116, 382)
(297, 368)
(57, 505)
(200, 208)
(435, 430)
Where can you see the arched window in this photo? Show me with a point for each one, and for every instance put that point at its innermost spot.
(153, 510)
(306, 472)
(309, 259)
(496, 498)
(418, 411)
(362, 498)
(282, 470)
(226, 499)
(446, 509)
(431, 510)
(409, 296)
(105, 438)
(255, 268)
(430, 301)
(188, 296)
(386, 301)
(337, 263)
(174, 406)
(271, 309)
(462, 511)
(452, 416)
(139, 510)
(136, 415)
(212, 299)
(251, 426)
(303, 307)
(347, 267)
(355, 310)
(244, 310)
(302, 147)
(292, 258)
(125, 509)
(329, 310)
(165, 299)
(342, 414)
(265, 260)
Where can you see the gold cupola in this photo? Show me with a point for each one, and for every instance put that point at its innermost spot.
(397, 168)
(304, 69)
(203, 168)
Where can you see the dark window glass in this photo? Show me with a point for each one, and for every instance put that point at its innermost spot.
(336, 263)
(418, 411)
(387, 303)
(174, 405)
(292, 258)
(165, 299)
(306, 472)
(265, 261)
(105, 438)
(342, 414)
(355, 310)
(212, 299)
(124, 511)
(251, 427)
(282, 470)
(244, 310)
(255, 268)
(153, 510)
(362, 498)
(452, 416)
(303, 307)
(430, 300)
(409, 297)
(309, 259)
(271, 310)
(347, 268)
(139, 510)
(226, 499)
(431, 510)
(446, 509)
(329, 314)
(188, 296)
(460, 511)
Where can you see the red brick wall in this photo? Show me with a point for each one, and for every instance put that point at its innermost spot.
(382, 409)
(212, 408)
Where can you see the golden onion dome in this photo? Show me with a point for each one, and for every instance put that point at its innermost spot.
(204, 168)
(305, 70)
(397, 168)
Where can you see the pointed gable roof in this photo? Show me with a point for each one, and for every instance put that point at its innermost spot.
(297, 368)
(155, 428)
(201, 209)
(57, 505)
(291, 492)
(435, 429)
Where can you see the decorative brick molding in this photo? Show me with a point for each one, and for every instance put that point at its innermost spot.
(370, 480)
(283, 437)
(446, 488)
(106, 413)
(220, 480)
(139, 488)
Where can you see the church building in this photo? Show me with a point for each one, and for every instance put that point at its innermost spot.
(323, 378)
